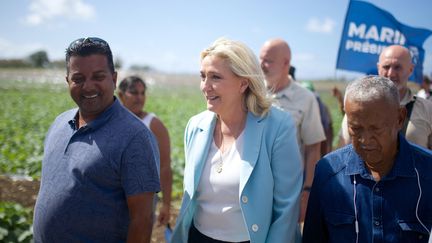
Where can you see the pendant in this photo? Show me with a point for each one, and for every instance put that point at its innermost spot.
(219, 169)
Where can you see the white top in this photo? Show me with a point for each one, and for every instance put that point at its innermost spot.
(218, 214)
(148, 119)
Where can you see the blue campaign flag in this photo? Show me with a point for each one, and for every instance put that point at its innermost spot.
(368, 30)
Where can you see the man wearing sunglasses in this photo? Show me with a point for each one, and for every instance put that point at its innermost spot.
(100, 166)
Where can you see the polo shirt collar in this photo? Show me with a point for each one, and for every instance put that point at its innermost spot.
(100, 120)
(287, 91)
(407, 98)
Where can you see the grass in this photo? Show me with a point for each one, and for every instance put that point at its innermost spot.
(28, 111)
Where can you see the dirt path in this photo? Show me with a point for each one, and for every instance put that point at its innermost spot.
(24, 192)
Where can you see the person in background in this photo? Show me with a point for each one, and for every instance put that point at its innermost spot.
(292, 71)
(326, 119)
(132, 94)
(379, 189)
(395, 64)
(426, 89)
(301, 103)
(100, 165)
(243, 173)
(339, 98)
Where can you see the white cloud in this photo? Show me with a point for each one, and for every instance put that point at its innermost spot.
(41, 11)
(316, 25)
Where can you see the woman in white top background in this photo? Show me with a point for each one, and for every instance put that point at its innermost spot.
(132, 93)
(243, 173)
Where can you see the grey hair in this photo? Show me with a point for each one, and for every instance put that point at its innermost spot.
(371, 88)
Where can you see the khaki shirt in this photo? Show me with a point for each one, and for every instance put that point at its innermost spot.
(419, 129)
(303, 107)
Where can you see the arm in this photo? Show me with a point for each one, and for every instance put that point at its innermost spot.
(314, 228)
(339, 97)
(287, 172)
(312, 155)
(312, 134)
(140, 212)
(140, 181)
(162, 136)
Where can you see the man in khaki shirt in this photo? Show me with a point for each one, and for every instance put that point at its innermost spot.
(275, 57)
(395, 64)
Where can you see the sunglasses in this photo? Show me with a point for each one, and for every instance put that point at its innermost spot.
(91, 40)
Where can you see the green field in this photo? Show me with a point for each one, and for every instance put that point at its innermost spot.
(29, 108)
(27, 113)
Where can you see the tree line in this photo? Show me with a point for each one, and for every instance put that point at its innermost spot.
(40, 59)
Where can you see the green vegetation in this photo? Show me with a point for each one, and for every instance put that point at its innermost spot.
(174, 107)
(15, 223)
(29, 109)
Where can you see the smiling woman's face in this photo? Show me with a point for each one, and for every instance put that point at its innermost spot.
(222, 89)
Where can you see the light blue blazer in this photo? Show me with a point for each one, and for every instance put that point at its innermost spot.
(271, 176)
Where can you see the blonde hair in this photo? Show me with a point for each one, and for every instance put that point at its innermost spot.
(243, 63)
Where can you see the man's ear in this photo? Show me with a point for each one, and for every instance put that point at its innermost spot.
(411, 68)
(402, 116)
(115, 79)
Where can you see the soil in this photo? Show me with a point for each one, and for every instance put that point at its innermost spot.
(24, 192)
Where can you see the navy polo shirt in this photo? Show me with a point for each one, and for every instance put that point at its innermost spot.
(87, 173)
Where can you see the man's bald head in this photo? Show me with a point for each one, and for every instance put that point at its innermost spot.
(395, 63)
(278, 45)
(397, 51)
(275, 57)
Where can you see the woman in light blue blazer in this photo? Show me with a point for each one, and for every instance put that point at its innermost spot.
(243, 173)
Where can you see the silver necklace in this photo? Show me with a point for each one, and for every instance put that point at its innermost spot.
(220, 164)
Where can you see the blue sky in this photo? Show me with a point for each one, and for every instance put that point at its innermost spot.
(169, 35)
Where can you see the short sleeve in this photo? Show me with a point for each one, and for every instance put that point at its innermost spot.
(139, 168)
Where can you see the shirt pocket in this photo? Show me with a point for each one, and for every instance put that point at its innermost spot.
(412, 231)
(341, 226)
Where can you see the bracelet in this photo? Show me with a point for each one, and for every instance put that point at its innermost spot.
(307, 189)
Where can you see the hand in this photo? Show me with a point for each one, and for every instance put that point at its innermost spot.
(337, 93)
(303, 205)
(164, 215)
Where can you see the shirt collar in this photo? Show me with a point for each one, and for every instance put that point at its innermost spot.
(286, 91)
(403, 165)
(100, 120)
(407, 97)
